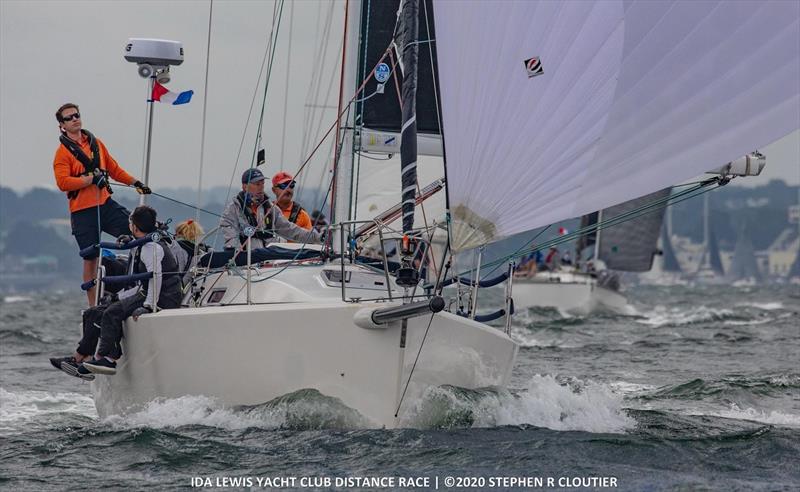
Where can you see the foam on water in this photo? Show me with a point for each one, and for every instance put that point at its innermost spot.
(627, 388)
(767, 306)
(187, 410)
(773, 417)
(676, 316)
(582, 406)
(17, 409)
(750, 322)
(303, 409)
(12, 299)
(586, 406)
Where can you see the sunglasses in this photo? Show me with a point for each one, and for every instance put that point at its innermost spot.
(71, 117)
(283, 186)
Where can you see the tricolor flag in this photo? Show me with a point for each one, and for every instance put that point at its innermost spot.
(164, 95)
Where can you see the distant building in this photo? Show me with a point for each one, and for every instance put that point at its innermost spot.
(782, 252)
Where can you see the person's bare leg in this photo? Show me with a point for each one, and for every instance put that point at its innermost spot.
(89, 272)
(81, 358)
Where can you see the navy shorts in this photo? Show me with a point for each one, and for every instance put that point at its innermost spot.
(113, 220)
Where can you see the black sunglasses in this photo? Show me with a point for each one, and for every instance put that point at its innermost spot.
(283, 186)
(71, 117)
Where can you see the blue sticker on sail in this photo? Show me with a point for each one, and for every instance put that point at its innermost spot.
(382, 72)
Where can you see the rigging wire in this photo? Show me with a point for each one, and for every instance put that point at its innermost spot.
(249, 115)
(288, 70)
(654, 206)
(203, 131)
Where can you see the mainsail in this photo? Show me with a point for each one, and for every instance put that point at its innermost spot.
(670, 263)
(712, 250)
(630, 246)
(554, 109)
(743, 264)
(382, 111)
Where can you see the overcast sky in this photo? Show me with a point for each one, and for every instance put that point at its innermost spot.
(52, 52)
(57, 51)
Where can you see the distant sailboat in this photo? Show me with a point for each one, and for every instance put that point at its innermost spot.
(666, 268)
(743, 269)
(709, 269)
(594, 283)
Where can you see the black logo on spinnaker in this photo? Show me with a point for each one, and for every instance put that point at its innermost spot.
(533, 66)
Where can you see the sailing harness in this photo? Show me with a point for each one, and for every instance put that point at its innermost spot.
(296, 209)
(90, 165)
(262, 233)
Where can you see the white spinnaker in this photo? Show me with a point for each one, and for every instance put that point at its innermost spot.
(634, 97)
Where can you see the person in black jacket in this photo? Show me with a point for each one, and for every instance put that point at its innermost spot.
(162, 289)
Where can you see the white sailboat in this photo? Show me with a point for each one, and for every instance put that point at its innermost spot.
(549, 110)
(593, 284)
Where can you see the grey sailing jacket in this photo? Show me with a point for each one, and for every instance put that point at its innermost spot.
(269, 222)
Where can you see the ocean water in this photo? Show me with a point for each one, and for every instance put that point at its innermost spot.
(698, 389)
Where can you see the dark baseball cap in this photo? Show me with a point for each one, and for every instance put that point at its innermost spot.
(252, 175)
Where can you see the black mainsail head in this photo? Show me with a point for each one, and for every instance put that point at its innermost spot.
(382, 110)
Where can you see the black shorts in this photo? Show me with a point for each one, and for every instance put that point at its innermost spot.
(113, 220)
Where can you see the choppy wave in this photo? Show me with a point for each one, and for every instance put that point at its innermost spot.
(303, 409)
(585, 406)
(767, 306)
(698, 389)
(774, 417)
(18, 408)
(677, 316)
(12, 299)
(23, 336)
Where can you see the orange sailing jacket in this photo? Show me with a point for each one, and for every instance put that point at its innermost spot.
(68, 169)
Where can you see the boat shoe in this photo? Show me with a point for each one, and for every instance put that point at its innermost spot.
(101, 366)
(72, 367)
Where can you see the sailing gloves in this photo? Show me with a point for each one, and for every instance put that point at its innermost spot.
(100, 178)
(141, 188)
(124, 239)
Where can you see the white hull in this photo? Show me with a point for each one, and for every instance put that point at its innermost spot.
(251, 354)
(567, 291)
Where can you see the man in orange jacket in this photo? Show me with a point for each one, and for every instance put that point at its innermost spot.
(82, 167)
(283, 185)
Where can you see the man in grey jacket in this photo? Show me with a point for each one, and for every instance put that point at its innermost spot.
(251, 208)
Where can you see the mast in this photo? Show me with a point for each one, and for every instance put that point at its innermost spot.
(409, 22)
(148, 136)
(596, 253)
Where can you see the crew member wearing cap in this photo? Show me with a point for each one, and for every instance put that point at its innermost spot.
(283, 185)
(251, 208)
(82, 167)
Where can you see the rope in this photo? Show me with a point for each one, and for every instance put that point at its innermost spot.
(165, 197)
(414, 366)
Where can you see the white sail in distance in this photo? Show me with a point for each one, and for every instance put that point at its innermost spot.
(555, 109)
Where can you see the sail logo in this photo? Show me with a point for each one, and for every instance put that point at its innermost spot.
(533, 66)
(382, 72)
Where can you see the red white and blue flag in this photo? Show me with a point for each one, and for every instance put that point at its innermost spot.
(164, 95)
